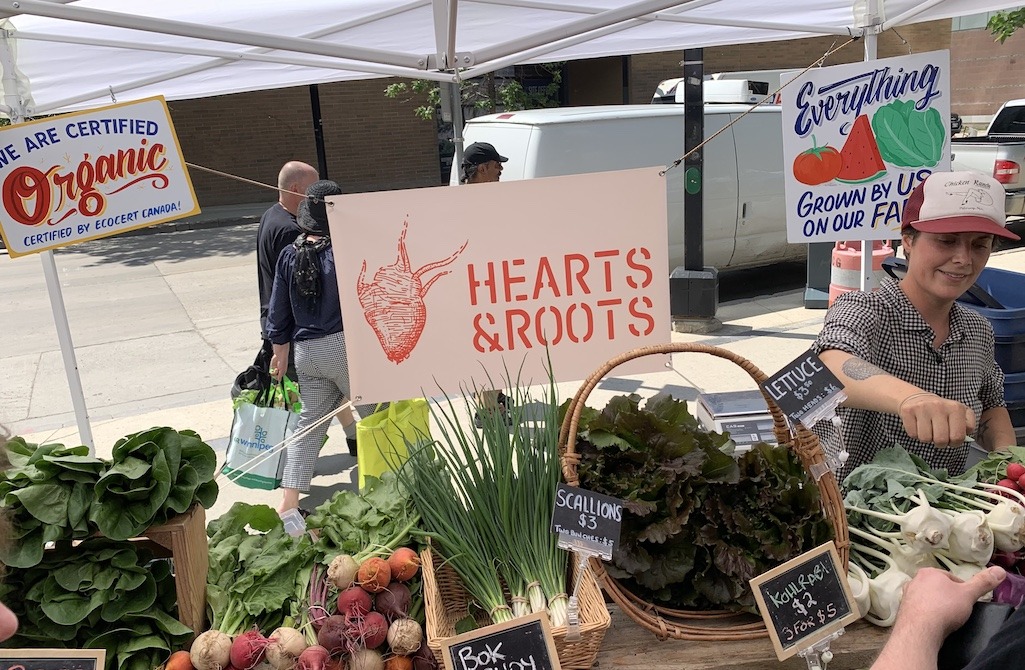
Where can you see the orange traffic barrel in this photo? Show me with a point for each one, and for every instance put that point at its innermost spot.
(845, 269)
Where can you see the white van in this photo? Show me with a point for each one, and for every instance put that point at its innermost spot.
(744, 210)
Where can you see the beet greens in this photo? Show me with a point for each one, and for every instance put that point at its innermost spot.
(699, 523)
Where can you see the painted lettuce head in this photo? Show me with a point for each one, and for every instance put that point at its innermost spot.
(908, 137)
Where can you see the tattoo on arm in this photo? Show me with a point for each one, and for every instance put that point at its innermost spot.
(855, 368)
(980, 431)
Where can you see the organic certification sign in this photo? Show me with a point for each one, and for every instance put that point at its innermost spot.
(78, 177)
(857, 139)
(805, 600)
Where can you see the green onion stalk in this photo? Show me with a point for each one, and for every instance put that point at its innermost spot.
(452, 527)
(481, 477)
(530, 515)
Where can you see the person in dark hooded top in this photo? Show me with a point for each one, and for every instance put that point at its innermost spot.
(305, 313)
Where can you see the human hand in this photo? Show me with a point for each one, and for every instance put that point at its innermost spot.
(929, 418)
(939, 603)
(277, 370)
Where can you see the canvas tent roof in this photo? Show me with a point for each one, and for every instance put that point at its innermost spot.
(80, 54)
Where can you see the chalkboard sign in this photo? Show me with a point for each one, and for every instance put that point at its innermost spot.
(588, 521)
(525, 643)
(52, 659)
(805, 600)
(805, 389)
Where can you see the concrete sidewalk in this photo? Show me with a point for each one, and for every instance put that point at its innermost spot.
(161, 331)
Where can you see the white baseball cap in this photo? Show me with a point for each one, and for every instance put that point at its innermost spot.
(958, 202)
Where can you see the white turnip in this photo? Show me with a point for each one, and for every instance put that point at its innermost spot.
(342, 571)
(211, 651)
(284, 648)
(366, 659)
(405, 636)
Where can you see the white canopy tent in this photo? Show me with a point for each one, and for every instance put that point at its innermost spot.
(66, 55)
(81, 54)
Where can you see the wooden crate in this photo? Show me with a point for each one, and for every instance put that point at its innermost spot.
(183, 539)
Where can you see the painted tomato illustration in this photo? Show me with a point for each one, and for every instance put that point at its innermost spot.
(817, 165)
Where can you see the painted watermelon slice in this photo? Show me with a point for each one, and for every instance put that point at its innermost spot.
(861, 159)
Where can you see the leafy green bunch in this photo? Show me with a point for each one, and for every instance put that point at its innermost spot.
(699, 523)
(98, 594)
(154, 475)
(258, 574)
(56, 493)
(48, 490)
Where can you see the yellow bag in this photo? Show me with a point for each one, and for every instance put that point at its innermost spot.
(382, 437)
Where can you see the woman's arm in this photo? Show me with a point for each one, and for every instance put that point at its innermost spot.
(995, 429)
(926, 416)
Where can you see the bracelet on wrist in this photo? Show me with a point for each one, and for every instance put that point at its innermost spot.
(900, 407)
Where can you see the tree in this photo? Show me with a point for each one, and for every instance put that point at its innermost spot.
(488, 93)
(1003, 24)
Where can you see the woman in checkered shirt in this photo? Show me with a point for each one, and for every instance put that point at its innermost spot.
(918, 368)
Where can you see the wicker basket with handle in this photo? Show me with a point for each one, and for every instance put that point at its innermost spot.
(446, 602)
(704, 624)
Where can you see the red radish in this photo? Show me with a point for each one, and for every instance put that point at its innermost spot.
(354, 601)
(1021, 483)
(374, 574)
(247, 650)
(179, 660)
(1015, 471)
(404, 564)
(1009, 484)
(313, 657)
(373, 630)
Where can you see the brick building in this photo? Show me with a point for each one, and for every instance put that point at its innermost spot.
(376, 143)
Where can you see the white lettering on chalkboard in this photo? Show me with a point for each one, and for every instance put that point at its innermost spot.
(588, 505)
(492, 658)
(794, 378)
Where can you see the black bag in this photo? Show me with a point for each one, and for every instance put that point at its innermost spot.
(969, 640)
(257, 376)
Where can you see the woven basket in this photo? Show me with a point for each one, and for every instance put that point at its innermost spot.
(712, 625)
(446, 602)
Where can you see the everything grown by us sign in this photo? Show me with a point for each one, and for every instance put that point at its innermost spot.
(81, 176)
(857, 139)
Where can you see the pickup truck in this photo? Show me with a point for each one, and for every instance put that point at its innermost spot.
(1000, 152)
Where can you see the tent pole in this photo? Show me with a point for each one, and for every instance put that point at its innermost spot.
(318, 130)
(455, 91)
(53, 286)
(874, 20)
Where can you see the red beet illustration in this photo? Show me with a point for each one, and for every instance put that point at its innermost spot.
(393, 303)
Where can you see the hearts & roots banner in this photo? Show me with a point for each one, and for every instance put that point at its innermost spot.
(81, 176)
(857, 139)
(442, 287)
